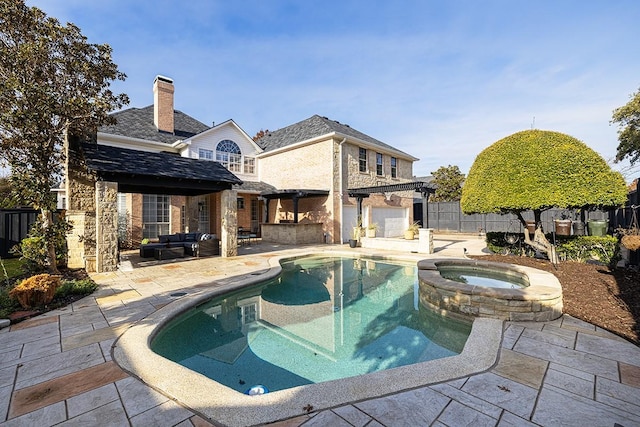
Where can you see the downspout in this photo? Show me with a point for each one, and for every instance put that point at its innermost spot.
(341, 173)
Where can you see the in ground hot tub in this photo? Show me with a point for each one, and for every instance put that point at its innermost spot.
(535, 295)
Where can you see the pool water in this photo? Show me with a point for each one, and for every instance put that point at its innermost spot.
(479, 277)
(323, 318)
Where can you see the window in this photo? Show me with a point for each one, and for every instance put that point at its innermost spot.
(228, 153)
(205, 154)
(155, 215)
(249, 313)
(378, 164)
(394, 167)
(203, 214)
(362, 159)
(240, 203)
(249, 165)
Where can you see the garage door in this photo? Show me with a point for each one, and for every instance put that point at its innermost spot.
(391, 221)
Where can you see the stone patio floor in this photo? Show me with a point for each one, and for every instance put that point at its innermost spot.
(56, 368)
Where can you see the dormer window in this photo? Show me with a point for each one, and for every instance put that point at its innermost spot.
(228, 153)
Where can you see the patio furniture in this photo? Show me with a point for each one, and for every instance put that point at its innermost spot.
(192, 244)
(168, 253)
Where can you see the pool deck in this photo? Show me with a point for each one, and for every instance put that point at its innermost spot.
(57, 369)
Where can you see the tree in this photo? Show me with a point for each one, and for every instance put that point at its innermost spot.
(448, 181)
(7, 196)
(53, 83)
(537, 170)
(261, 133)
(628, 119)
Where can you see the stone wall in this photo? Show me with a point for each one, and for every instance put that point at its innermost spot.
(106, 194)
(81, 207)
(229, 225)
(540, 301)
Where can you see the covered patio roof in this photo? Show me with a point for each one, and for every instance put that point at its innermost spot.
(156, 173)
(293, 195)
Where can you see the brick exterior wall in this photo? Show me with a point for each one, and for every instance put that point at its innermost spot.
(163, 104)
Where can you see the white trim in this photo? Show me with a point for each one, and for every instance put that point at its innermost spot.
(350, 140)
(229, 122)
(113, 140)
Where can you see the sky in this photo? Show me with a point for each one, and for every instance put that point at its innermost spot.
(440, 80)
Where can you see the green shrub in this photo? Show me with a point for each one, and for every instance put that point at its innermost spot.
(8, 304)
(76, 287)
(605, 249)
(33, 249)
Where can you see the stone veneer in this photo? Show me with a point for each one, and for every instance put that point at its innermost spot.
(540, 301)
(106, 226)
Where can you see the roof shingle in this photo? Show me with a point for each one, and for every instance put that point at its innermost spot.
(313, 127)
(138, 123)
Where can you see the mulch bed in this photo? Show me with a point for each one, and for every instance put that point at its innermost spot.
(608, 298)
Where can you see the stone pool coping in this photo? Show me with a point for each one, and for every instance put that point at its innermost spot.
(219, 403)
(540, 301)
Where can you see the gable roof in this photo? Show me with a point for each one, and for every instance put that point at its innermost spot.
(232, 123)
(156, 173)
(138, 123)
(316, 126)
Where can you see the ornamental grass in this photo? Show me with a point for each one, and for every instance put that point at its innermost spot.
(36, 291)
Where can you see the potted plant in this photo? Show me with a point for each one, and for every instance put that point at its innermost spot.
(563, 225)
(411, 231)
(371, 229)
(355, 236)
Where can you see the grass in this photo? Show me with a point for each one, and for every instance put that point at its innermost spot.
(11, 269)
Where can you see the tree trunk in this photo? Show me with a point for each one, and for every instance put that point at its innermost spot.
(539, 242)
(47, 222)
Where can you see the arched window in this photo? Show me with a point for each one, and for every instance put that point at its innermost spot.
(228, 153)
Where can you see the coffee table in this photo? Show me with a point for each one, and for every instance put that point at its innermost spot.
(168, 253)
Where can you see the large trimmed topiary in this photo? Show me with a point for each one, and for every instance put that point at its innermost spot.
(538, 170)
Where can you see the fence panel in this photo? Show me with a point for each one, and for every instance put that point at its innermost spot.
(448, 217)
(14, 226)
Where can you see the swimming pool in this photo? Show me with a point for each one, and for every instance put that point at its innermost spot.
(323, 318)
(132, 352)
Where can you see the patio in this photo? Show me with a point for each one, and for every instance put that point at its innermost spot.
(57, 367)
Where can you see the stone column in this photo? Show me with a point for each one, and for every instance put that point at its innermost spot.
(229, 226)
(106, 226)
(425, 241)
(80, 191)
(191, 214)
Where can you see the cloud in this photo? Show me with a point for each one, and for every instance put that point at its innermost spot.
(439, 80)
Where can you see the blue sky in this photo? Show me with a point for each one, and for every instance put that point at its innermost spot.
(440, 80)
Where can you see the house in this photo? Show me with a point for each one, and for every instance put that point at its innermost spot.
(305, 173)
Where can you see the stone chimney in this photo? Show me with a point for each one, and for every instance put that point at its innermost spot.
(163, 104)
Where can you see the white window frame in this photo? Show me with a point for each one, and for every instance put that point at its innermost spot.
(156, 215)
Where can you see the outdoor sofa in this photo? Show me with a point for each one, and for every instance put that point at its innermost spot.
(194, 244)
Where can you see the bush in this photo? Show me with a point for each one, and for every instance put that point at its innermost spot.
(36, 291)
(33, 249)
(7, 304)
(605, 249)
(76, 287)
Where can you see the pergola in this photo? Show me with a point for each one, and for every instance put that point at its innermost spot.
(294, 195)
(424, 188)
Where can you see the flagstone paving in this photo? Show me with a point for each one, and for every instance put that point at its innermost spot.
(56, 369)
